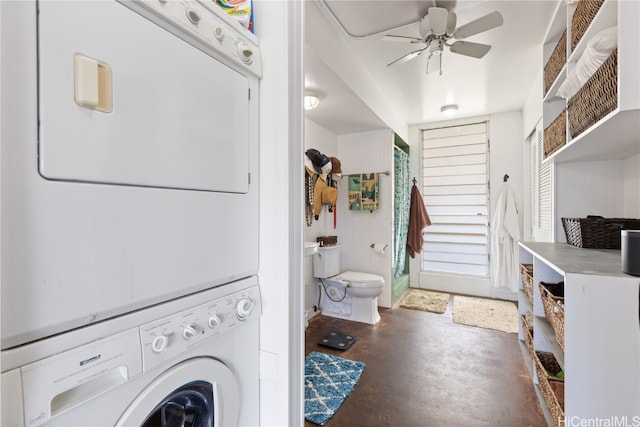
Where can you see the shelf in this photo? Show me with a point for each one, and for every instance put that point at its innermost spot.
(524, 298)
(596, 142)
(606, 17)
(543, 325)
(529, 364)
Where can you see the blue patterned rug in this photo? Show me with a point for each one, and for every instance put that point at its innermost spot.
(328, 380)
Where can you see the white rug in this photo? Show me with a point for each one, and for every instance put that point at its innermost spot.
(486, 313)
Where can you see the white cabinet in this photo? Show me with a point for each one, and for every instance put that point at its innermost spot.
(601, 357)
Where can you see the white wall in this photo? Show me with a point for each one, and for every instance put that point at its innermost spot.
(532, 109)
(325, 141)
(279, 28)
(609, 188)
(358, 153)
(367, 152)
(505, 156)
(631, 194)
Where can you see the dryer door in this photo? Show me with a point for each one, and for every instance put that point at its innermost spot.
(199, 392)
(124, 101)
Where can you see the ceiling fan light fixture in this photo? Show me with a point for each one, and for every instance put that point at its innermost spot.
(311, 101)
(449, 109)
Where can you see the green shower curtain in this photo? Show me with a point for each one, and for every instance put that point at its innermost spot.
(401, 204)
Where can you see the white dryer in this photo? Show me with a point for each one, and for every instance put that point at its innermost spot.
(129, 158)
(191, 362)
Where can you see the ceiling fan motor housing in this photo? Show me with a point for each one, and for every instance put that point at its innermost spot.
(435, 47)
(438, 21)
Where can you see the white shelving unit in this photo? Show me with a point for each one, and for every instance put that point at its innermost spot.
(593, 174)
(601, 360)
(615, 136)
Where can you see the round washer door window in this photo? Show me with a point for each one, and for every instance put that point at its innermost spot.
(199, 392)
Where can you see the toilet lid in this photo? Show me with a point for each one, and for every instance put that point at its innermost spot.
(356, 278)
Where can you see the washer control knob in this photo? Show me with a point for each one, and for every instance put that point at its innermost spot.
(193, 16)
(189, 331)
(159, 343)
(214, 321)
(218, 32)
(244, 308)
(245, 52)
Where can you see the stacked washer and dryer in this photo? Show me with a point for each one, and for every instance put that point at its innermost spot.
(129, 214)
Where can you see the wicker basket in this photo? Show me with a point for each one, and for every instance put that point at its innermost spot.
(527, 331)
(596, 98)
(526, 271)
(582, 17)
(597, 232)
(555, 135)
(552, 388)
(552, 295)
(556, 61)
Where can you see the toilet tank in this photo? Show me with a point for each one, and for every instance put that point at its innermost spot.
(326, 262)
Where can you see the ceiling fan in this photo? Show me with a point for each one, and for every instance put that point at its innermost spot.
(438, 28)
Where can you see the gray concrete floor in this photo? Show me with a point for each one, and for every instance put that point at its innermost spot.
(424, 370)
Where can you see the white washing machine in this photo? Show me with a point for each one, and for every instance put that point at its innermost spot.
(191, 362)
(129, 158)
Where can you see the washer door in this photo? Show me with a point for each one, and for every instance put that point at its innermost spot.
(199, 392)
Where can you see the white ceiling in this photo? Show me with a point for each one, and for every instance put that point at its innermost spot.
(499, 82)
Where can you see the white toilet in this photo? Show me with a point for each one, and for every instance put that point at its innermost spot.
(350, 295)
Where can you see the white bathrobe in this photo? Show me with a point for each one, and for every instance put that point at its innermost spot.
(505, 234)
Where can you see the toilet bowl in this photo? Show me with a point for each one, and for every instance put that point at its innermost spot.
(360, 302)
(350, 295)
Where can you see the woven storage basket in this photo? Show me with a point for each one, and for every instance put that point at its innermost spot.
(552, 388)
(552, 295)
(555, 135)
(597, 232)
(556, 61)
(526, 271)
(582, 17)
(527, 331)
(596, 98)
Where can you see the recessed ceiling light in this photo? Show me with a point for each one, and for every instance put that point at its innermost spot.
(449, 110)
(311, 101)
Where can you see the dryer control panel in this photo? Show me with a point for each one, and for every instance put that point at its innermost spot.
(168, 337)
(203, 21)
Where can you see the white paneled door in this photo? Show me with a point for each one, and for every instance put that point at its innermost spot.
(454, 184)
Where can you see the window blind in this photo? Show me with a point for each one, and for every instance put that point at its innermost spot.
(541, 183)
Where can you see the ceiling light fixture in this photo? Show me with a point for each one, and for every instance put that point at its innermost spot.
(449, 110)
(311, 101)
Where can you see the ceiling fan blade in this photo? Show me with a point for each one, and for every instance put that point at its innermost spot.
(392, 38)
(409, 56)
(480, 25)
(475, 50)
(438, 20)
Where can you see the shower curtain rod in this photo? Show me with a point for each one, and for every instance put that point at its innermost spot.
(366, 173)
